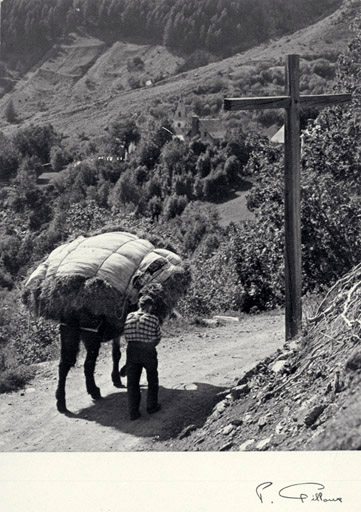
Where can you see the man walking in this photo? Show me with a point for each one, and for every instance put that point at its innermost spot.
(142, 334)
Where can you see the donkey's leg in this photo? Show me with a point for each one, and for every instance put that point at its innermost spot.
(116, 355)
(69, 338)
(91, 342)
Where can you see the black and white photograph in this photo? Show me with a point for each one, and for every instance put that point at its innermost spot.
(180, 243)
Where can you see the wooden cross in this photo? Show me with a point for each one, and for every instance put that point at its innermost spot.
(292, 102)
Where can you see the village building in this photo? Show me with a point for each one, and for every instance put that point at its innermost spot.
(279, 136)
(188, 125)
(181, 119)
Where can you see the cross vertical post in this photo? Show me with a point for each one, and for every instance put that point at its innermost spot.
(292, 103)
(293, 265)
(1, 33)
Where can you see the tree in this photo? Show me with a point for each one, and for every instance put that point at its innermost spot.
(152, 144)
(215, 185)
(174, 205)
(126, 191)
(232, 169)
(36, 141)
(59, 158)
(204, 166)
(122, 134)
(9, 160)
(155, 207)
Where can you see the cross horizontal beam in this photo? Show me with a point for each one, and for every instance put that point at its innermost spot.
(324, 100)
(259, 103)
(233, 104)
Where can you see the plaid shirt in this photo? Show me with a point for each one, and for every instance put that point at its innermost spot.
(141, 327)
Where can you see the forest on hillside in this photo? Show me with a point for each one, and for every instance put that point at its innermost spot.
(218, 27)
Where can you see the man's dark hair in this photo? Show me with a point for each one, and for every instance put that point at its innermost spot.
(146, 300)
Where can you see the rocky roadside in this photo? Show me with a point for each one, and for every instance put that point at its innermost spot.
(302, 397)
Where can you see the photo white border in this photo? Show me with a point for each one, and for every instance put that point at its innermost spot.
(175, 482)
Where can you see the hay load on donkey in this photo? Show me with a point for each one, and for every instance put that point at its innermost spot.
(90, 284)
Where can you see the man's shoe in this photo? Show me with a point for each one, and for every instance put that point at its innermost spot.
(154, 409)
(135, 416)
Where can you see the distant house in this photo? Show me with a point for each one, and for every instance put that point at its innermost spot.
(188, 125)
(279, 136)
(209, 130)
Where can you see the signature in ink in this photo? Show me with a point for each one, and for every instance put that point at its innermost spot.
(305, 491)
(262, 487)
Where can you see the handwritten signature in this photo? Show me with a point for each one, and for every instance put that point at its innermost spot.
(306, 491)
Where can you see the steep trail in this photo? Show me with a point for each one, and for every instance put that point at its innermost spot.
(194, 367)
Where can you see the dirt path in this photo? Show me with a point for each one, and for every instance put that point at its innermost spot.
(193, 368)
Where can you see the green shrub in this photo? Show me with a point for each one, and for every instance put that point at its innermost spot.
(15, 378)
(174, 206)
(6, 280)
(215, 186)
(9, 160)
(215, 286)
(36, 141)
(324, 69)
(126, 191)
(59, 158)
(270, 117)
(195, 223)
(195, 60)
(23, 342)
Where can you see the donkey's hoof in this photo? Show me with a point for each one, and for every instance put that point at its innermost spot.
(60, 401)
(118, 384)
(117, 381)
(61, 406)
(96, 394)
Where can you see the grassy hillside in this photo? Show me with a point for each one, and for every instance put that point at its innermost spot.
(83, 84)
(85, 74)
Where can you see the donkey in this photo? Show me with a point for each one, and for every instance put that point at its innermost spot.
(90, 284)
(92, 332)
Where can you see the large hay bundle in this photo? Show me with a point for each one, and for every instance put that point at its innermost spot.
(102, 275)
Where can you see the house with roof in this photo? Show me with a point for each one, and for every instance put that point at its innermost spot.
(188, 125)
(279, 136)
(209, 130)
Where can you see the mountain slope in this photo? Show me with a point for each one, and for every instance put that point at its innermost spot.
(84, 84)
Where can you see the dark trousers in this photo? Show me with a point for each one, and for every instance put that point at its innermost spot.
(137, 359)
